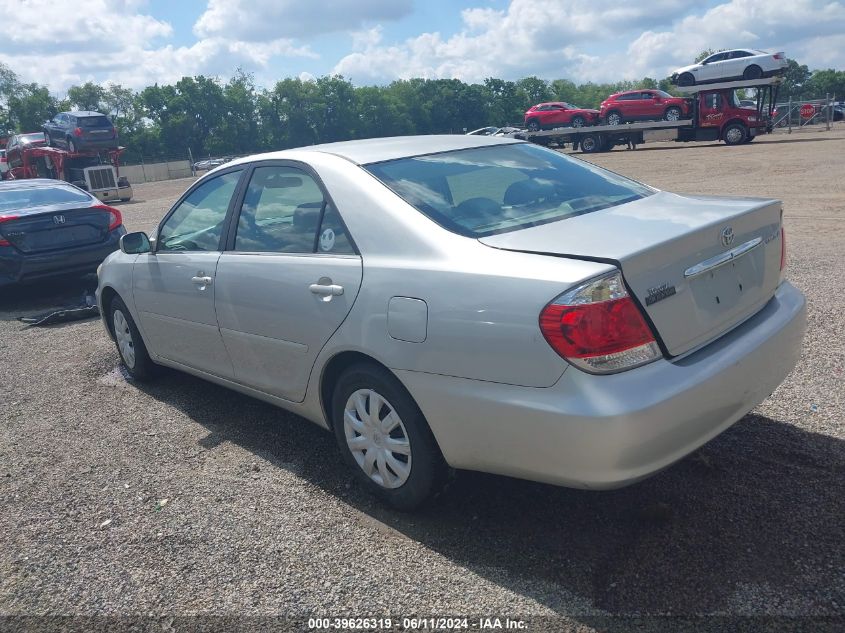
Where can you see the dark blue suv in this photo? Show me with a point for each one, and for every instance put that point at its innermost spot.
(79, 131)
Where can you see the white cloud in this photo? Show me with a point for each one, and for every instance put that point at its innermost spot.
(793, 27)
(601, 40)
(263, 20)
(584, 40)
(543, 37)
(111, 41)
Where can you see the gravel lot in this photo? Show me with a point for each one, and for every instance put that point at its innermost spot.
(183, 498)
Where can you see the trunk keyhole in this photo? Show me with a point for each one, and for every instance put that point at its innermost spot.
(717, 300)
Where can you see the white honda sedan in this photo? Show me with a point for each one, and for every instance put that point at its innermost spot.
(741, 63)
(468, 302)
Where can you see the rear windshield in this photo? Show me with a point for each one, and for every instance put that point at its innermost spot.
(93, 121)
(489, 190)
(22, 198)
(34, 137)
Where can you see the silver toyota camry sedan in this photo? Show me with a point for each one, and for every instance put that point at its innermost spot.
(465, 302)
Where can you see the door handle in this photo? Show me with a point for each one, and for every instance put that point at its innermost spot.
(326, 290)
(202, 281)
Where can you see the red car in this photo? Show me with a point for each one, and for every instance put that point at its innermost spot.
(557, 114)
(643, 105)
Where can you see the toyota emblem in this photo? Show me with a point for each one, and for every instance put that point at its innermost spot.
(58, 219)
(727, 236)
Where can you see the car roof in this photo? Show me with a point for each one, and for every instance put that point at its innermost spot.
(84, 113)
(377, 150)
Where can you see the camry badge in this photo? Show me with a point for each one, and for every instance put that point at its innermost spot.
(727, 236)
(659, 293)
(58, 219)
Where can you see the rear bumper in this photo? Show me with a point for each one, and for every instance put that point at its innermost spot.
(107, 195)
(17, 267)
(604, 432)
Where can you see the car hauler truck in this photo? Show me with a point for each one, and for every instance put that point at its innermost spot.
(95, 171)
(716, 115)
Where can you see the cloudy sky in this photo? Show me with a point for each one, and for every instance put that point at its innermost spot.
(140, 42)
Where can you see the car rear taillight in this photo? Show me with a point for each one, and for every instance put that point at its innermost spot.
(77, 131)
(6, 218)
(778, 55)
(598, 328)
(116, 219)
(114, 132)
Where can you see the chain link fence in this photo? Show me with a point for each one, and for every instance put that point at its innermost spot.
(789, 115)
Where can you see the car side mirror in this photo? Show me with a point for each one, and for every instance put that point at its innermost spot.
(135, 243)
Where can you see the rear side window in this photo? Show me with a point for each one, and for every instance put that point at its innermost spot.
(284, 211)
(489, 190)
(93, 121)
(26, 197)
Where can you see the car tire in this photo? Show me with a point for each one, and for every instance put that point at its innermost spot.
(735, 134)
(686, 79)
(533, 125)
(591, 143)
(578, 121)
(673, 113)
(752, 72)
(130, 346)
(359, 434)
(614, 118)
(71, 146)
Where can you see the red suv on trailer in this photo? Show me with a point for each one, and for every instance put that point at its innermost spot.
(558, 114)
(643, 105)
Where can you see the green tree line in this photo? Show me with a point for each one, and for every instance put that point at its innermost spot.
(215, 118)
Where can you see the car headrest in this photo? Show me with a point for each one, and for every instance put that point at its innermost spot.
(525, 192)
(478, 208)
(306, 216)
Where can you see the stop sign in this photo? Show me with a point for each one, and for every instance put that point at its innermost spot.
(807, 111)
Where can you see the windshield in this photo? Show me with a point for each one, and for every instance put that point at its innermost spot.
(34, 137)
(26, 197)
(489, 190)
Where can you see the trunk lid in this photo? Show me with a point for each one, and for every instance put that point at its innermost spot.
(56, 228)
(673, 251)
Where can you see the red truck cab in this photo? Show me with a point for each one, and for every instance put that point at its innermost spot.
(721, 117)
